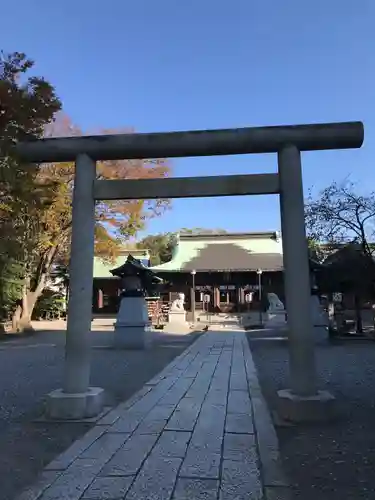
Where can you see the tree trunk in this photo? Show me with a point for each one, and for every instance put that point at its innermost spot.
(21, 320)
(358, 313)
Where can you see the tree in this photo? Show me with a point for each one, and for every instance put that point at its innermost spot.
(343, 220)
(316, 252)
(116, 221)
(37, 201)
(26, 106)
(340, 215)
(160, 247)
(11, 284)
(60, 278)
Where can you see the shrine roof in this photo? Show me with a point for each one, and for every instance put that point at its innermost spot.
(102, 268)
(225, 252)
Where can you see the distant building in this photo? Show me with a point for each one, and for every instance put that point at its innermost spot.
(221, 265)
(224, 266)
(106, 288)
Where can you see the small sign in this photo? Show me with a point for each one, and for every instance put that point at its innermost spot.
(206, 298)
(337, 297)
(249, 297)
(227, 287)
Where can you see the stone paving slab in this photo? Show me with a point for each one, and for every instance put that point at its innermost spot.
(199, 430)
(198, 489)
(103, 488)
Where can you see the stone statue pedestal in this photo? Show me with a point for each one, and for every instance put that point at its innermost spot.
(132, 324)
(177, 317)
(177, 323)
(319, 316)
(276, 319)
(319, 320)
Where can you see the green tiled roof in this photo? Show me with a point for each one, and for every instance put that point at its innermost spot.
(261, 249)
(102, 269)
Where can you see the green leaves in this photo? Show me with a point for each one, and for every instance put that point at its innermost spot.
(12, 273)
(36, 200)
(160, 247)
(26, 106)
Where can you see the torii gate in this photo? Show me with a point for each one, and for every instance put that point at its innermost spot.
(77, 399)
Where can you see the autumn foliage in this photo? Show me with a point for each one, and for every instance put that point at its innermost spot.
(116, 221)
(35, 208)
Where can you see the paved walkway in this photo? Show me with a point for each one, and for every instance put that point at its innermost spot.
(198, 430)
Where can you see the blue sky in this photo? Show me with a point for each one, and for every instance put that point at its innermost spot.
(169, 65)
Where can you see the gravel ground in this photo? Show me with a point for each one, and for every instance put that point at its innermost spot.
(29, 369)
(328, 461)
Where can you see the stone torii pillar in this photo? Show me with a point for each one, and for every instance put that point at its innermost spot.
(77, 399)
(303, 401)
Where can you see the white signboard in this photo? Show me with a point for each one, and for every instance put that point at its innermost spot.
(206, 298)
(249, 297)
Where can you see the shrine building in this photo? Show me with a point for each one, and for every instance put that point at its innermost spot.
(229, 268)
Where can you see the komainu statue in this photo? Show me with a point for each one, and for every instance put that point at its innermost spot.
(274, 302)
(178, 304)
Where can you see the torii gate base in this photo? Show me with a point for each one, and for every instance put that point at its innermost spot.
(321, 406)
(303, 401)
(61, 405)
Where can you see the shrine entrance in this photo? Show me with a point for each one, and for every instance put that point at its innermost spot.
(76, 398)
(228, 298)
